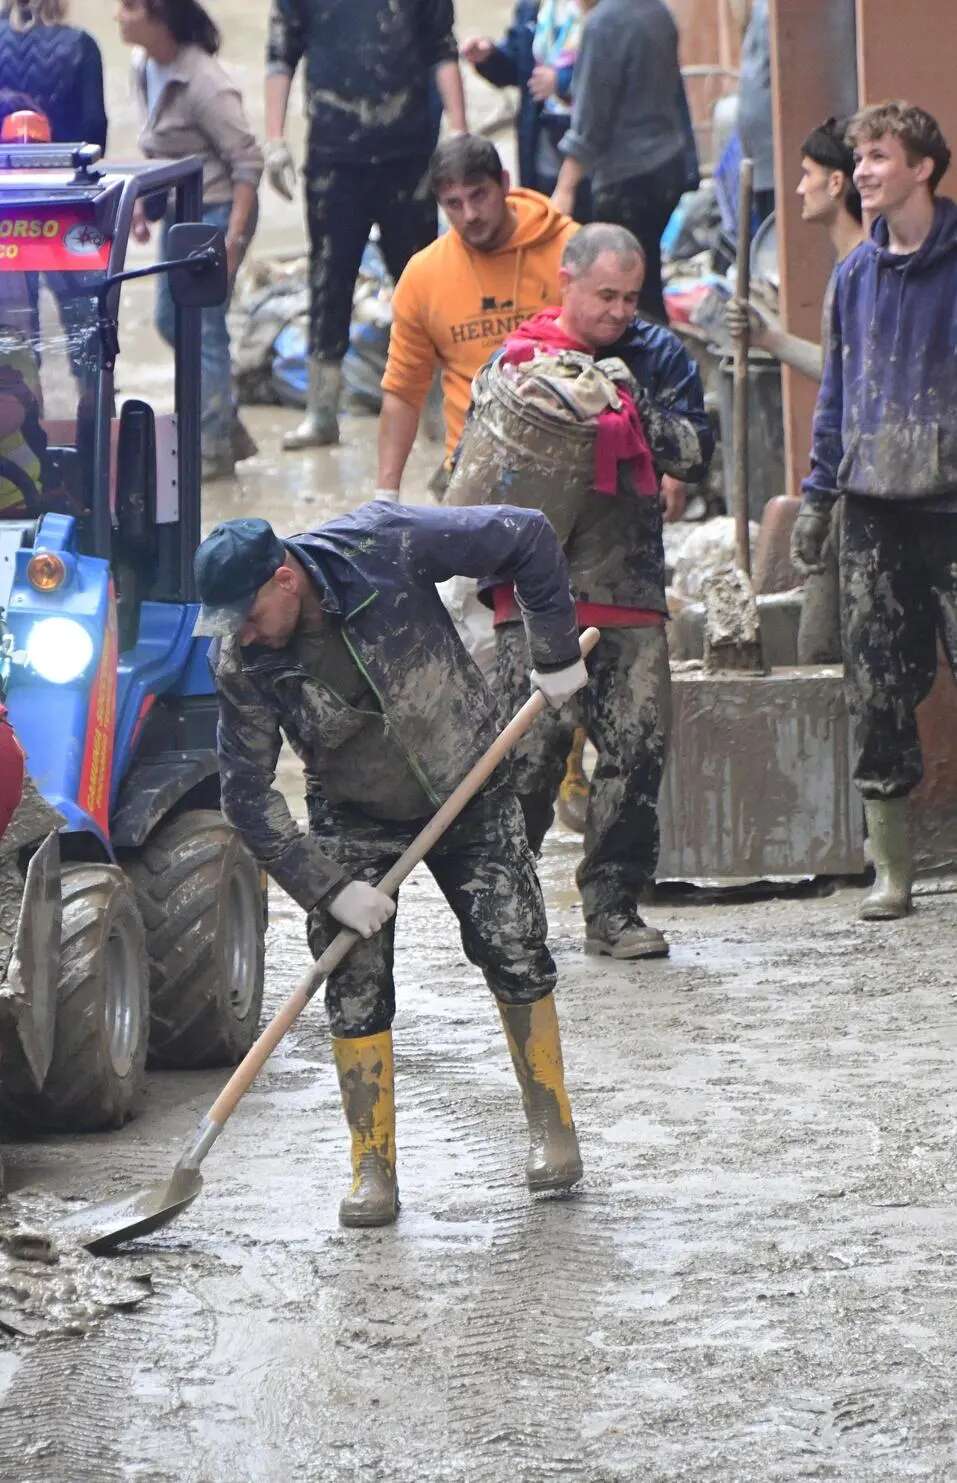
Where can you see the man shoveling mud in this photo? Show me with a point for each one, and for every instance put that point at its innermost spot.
(885, 442)
(338, 639)
(611, 530)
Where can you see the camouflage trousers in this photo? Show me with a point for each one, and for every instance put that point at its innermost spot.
(898, 597)
(484, 869)
(626, 713)
(343, 202)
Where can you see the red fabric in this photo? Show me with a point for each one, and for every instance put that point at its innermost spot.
(621, 437)
(11, 771)
(590, 614)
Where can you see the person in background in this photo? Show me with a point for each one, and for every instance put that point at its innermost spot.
(755, 127)
(460, 296)
(191, 106)
(628, 129)
(885, 448)
(537, 55)
(617, 568)
(371, 131)
(829, 199)
(57, 65)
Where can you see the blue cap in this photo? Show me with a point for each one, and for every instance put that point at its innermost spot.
(235, 560)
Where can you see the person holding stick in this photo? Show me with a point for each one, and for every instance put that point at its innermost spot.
(338, 639)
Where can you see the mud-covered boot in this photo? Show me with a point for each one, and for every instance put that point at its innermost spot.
(320, 426)
(554, 1161)
(573, 792)
(367, 1084)
(889, 839)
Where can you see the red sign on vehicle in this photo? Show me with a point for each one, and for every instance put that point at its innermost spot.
(47, 240)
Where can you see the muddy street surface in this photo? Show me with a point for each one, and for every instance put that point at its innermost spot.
(756, 1280)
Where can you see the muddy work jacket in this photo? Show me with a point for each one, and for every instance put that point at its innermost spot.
(376, 571)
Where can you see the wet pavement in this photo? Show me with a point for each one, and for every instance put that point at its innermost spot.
(757, 1278)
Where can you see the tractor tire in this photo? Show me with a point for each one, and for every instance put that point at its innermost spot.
(200, 896)
(97, 1073)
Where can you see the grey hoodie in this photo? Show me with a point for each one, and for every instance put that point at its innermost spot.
(626, 119)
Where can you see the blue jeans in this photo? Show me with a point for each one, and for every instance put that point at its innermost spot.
(218, 402)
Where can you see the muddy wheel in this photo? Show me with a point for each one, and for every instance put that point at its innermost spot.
(199, 892)
(102, 1021)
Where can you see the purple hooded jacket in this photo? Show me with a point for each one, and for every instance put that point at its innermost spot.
(886, 419)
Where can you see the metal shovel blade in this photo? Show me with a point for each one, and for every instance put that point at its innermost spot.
(101, 1228)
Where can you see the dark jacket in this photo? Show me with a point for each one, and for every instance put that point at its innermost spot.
(511, 65)
(367, 72)
(377, 569)
(61, 69)
(626, 119)
(670, 399)
(886, 419)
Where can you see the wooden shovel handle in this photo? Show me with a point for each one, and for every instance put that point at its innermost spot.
(739, 415)
(258, 1054)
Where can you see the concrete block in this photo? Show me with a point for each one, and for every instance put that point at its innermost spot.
(758, 782)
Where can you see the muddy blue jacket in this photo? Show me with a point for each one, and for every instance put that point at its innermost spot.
(670, 399)
(367, 72)
(376, 570)
(886, 419)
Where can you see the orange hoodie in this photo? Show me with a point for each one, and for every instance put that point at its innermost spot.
(454, 306)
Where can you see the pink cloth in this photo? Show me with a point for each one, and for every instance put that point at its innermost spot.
(621, 436)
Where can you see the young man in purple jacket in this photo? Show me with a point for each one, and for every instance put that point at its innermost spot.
(885, 442)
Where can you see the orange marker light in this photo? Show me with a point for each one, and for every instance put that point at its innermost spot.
(25, 127)
(46, 571)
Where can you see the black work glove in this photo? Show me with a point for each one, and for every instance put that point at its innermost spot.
(808, 539)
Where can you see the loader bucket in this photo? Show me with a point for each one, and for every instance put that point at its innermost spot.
(28, 998)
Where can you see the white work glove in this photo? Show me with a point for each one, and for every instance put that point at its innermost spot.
(560, 685)
(280, 169)
(361, 908)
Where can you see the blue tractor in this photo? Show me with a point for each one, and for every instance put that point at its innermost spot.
(158, 911)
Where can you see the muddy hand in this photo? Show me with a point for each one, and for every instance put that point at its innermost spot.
(808, 539)
(362, 908)
(280, 169)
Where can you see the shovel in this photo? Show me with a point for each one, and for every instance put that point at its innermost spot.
(101, 1228)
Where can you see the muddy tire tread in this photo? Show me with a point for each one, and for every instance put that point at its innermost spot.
(178, 876)
(75, 1095)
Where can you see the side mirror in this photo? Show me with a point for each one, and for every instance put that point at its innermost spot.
(203, 281)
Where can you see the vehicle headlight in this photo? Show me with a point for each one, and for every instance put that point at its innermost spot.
(59, 649)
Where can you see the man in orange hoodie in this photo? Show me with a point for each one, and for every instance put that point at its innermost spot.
(460, 297)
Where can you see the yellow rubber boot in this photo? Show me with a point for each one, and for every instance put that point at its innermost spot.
(554, 1161)
(573, 790)
(367, 1083)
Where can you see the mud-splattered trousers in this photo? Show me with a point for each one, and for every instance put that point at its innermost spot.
(626, 712)
(343, 202)
(484, 869)
(898, 596)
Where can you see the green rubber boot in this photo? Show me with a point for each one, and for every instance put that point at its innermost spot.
(320, 426)
(889, 840)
